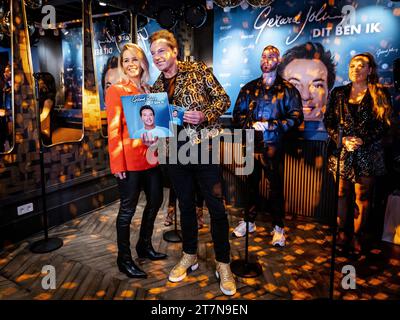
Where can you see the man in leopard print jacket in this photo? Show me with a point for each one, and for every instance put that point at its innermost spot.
(192, 85)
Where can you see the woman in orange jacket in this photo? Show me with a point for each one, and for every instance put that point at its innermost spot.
(129, 164)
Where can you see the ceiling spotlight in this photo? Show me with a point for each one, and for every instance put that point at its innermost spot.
(103, 4)
(244, 5)
(166, 18)
(195, 15)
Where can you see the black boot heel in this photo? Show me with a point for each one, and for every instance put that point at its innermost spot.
(150, 253)
(130, 269)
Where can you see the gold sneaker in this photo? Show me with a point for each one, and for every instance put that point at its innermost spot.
(188, 263)
(226, 280)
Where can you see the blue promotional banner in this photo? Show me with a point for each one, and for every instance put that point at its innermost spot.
(71, 44)
(143, 42)
(5, 56)
(334, 32)
(108, 47)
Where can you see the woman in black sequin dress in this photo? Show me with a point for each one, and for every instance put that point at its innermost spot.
(366, 108)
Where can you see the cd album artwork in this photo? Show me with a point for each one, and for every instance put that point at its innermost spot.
(177, 115)
(147, 113)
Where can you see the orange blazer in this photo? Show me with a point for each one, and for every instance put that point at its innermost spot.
(125, 154)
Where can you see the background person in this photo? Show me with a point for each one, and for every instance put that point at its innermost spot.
(366, 110)
(70, 101)
(47, 96)
(5, 109)
(272, 106)
(110, 74)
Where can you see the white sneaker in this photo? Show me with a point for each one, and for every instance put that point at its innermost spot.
(240, 230)
(278, 238)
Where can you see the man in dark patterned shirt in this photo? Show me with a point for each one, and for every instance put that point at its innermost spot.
(271, 106)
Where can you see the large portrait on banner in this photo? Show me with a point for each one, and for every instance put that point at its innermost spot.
(310, 67)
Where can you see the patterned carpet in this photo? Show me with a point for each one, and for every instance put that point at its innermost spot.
(85, 266)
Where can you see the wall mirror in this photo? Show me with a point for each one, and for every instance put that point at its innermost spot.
(57, 61)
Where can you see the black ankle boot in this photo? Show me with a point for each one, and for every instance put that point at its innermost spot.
(147, 251)
(128, 267)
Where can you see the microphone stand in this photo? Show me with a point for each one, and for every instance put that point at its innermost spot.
(173, 235)
(243, 267)
(47, 244)
(334, 234)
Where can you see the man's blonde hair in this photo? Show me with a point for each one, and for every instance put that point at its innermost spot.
(165, 35)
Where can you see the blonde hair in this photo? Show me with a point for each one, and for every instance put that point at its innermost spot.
(381, 104)
(144, 63)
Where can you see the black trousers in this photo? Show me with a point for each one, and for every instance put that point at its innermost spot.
(129, 188)
(209, 179)
(269, 161)
(198, 195)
